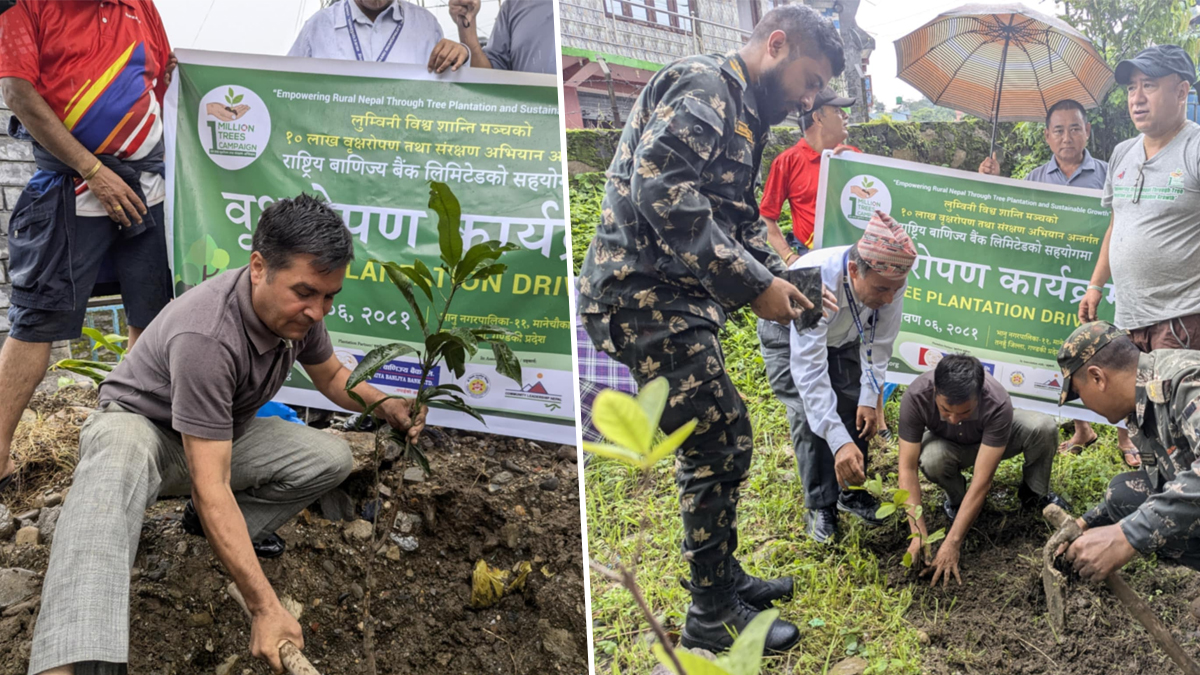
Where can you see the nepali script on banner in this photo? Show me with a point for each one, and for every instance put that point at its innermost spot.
(1003, 265)
(243, 131)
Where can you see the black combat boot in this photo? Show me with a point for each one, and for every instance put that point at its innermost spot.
(718, 613)
(759, 593)
(1032, 500)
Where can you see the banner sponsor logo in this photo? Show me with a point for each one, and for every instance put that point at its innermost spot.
(234, 126)
(861, 196)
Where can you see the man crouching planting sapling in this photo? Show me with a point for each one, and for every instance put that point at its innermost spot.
(177, 417)
(955, 417)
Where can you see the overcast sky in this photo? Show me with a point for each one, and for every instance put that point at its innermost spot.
(890, 20)
(268, 26)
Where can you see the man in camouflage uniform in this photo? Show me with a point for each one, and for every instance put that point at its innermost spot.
(1157, 508)
(679, 245)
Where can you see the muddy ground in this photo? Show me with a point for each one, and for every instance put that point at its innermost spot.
(184, 622)
(996, 622)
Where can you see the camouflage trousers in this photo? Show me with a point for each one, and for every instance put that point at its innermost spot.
(712, 464)
(1126, 493)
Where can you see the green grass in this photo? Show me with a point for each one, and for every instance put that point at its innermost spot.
(844, 603)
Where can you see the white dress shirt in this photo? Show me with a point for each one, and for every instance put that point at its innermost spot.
(810, 362)
(326, 36)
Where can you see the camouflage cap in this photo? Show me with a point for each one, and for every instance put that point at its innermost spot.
(1079, 348)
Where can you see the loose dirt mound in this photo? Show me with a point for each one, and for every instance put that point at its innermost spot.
(996, 622)
(183, 622)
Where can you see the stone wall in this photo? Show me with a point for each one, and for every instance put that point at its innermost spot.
(16, 168)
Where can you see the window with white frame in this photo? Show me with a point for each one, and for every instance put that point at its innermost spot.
(669, 14)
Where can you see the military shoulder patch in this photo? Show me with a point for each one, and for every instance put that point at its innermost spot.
(1158, 391)
(743, 130)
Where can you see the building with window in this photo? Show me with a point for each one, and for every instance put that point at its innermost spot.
(612, 47)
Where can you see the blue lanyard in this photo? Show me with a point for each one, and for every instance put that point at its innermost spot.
(387, 47)
(870, 342)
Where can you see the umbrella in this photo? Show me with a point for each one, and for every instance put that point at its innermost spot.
(1002, 62)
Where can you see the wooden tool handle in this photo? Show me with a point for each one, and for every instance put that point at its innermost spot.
(293, 661)
(1067, 532)
(1150, 621)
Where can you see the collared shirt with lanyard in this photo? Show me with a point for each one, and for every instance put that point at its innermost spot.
(401, 33)
(387, 46)
(867, 342)
(809, 350)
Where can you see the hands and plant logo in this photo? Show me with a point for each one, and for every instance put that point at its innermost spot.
(861, 196)
(234, 126)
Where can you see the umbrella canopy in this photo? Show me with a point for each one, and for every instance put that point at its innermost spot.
(1005, 63)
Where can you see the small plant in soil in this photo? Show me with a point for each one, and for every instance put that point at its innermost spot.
(630, 426)
(895, 507)
(450, 348)
(92, 369)
(454, 346)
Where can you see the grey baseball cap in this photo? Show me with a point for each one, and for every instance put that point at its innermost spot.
(1158, 61)
(827, 97)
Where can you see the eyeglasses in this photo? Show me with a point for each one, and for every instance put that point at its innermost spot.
(1137, 187)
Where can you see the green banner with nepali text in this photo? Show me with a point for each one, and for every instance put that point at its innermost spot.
(1003, 265)
(244, 131)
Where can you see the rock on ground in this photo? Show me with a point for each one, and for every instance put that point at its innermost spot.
(558, 642)
(28, 536)
(358, 530)
(47, 522)
(16, 585)
(851, 666)
(7, 527)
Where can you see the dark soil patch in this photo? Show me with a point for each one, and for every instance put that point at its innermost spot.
(183, 622)
(996, 622)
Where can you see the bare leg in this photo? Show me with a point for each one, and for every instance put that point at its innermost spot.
(1084, 435)
(22, 367)
(68, 669)
(1132, 458)
(134, 334)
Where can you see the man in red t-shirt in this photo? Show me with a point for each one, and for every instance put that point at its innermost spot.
(85, 82)
(796, 171)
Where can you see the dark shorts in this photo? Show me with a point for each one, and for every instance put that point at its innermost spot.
(1179, 333)
(54, 272)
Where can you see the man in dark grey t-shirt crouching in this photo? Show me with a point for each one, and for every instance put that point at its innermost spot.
(178, 417)
(958, 416)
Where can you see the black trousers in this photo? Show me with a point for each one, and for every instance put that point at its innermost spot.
(714, 461)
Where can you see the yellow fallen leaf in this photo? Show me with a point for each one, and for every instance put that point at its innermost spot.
(487, 585)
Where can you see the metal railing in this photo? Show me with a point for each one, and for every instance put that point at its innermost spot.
(697, 42)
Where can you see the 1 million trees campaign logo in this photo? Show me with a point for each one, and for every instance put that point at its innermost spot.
(234, 126)
(861, 196)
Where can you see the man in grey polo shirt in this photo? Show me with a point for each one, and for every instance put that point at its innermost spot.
(178, 416)
(1067, 132)
(1153, 188)
(522, 38)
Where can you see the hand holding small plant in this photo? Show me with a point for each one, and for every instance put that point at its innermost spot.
(896, 507)
(452, 346)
